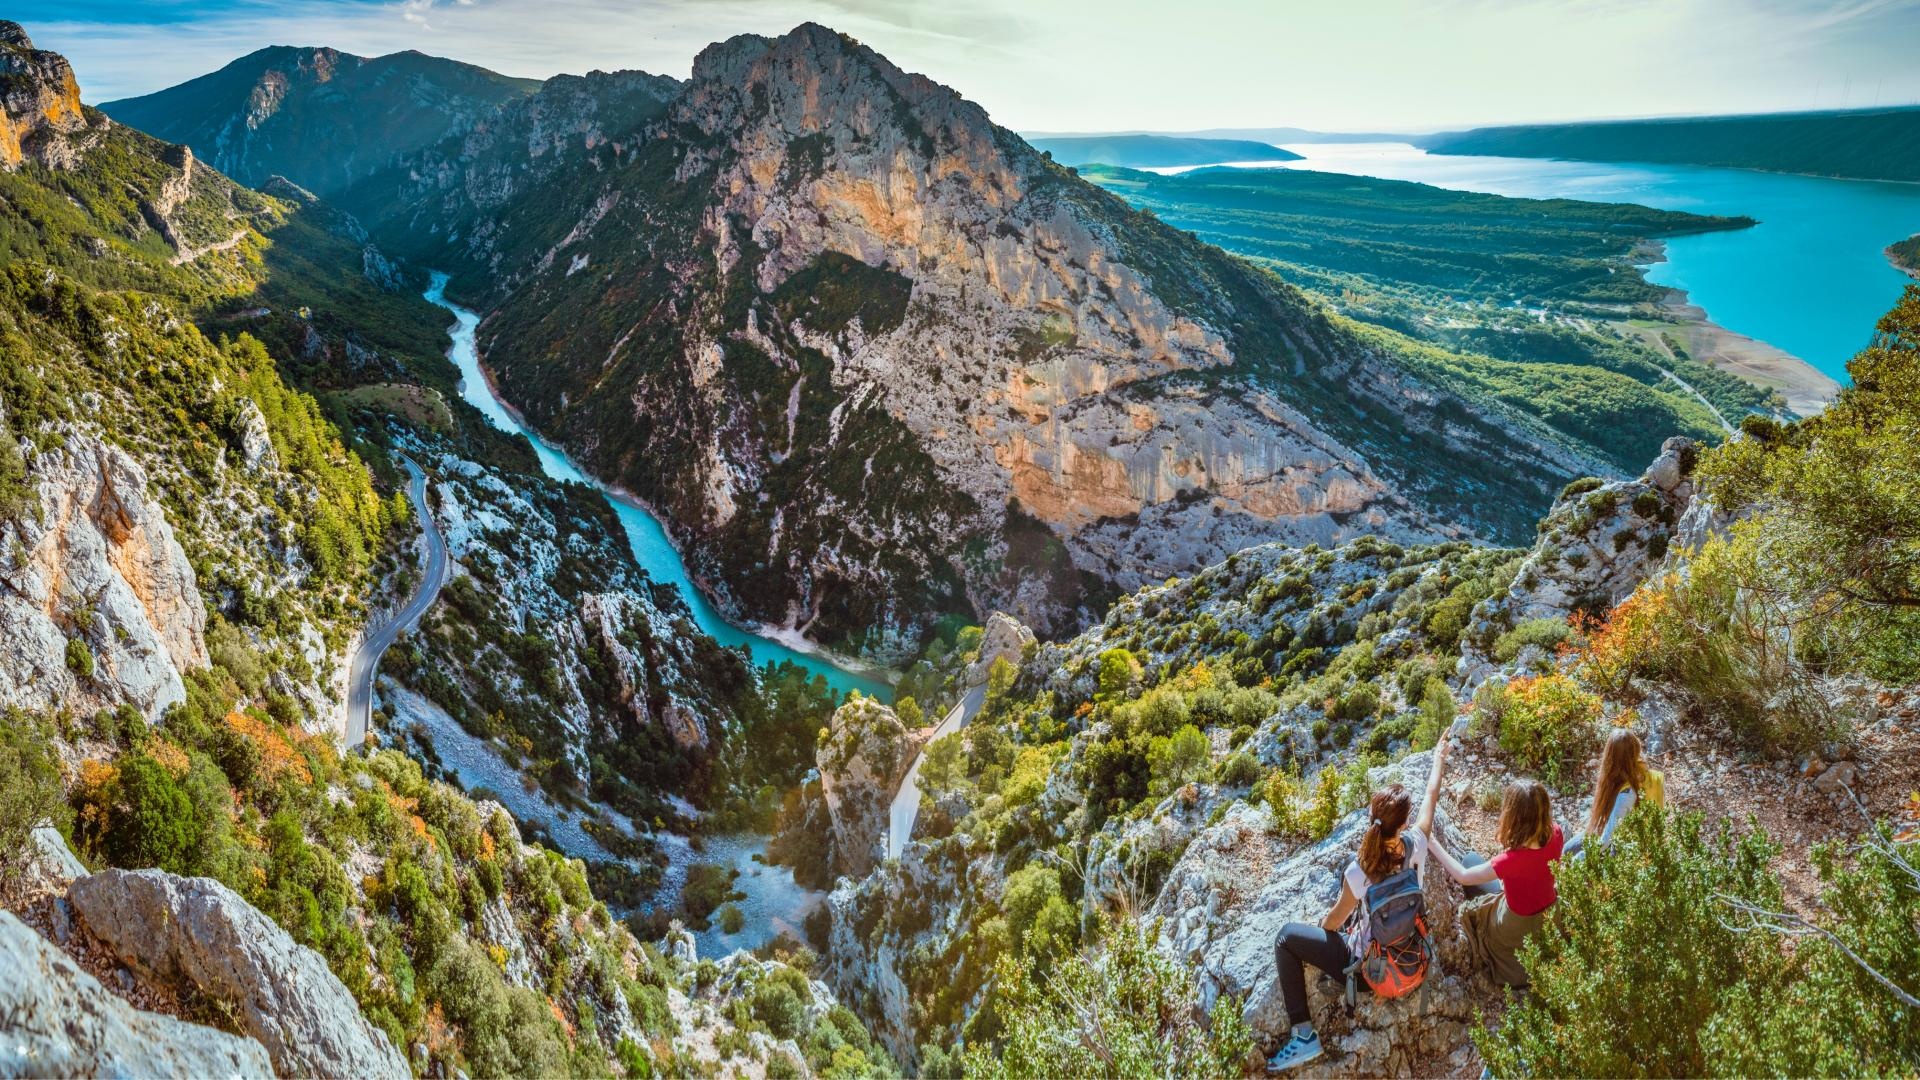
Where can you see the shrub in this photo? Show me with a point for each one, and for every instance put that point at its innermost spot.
(1359, 702)
(1546, 633)
(29, 785)
(1546, 723)
(1178, 758)
(1436, 714)
(1713, 994)
(732, 919)
(151, 820)
(1128, 1012)
(1239, 770)
(1743, 652)
(1282, 796)
(1580, 487)
(780, 1002)
(1043, 924)
(79, 658)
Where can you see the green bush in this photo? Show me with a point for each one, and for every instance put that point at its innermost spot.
(1127, 1012)
(1437, 712)
(732, 919)
(79, 658)
(152, 821)
(1546, 633)
(1042, 922)
(1547, 724)
(1645, 969)
(1239, 770)
(780, 1002)
(30, 792)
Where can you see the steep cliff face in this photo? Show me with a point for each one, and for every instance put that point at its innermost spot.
(39, 103)
(875, 359)
(98, 604)
(321, 116)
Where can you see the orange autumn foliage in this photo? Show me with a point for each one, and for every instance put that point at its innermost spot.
(1626, 644)
(170, 756)
(277, 754)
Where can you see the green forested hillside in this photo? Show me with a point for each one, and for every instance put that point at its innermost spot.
(1515, 288)
(1881, 144)
(321, 116)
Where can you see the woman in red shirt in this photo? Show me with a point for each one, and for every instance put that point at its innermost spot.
(1497, 924)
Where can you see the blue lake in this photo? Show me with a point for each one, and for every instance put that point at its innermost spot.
(1811, 278)
(648, 539)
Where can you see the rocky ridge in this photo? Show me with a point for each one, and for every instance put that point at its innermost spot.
(39, 104)
(934, 371)
(322, 116)
(200, 933)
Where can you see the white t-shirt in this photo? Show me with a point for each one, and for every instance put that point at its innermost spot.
(1416, 845)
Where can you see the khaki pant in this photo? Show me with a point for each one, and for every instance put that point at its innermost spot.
(1494, 935)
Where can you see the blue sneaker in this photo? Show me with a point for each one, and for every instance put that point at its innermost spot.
(1300, 1049)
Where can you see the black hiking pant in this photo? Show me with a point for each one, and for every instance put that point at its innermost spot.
(1298, 945)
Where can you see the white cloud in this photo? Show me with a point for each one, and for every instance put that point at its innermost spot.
(1106, 64)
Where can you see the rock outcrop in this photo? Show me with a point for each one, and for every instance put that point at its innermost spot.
(57, 1020)
(1004, 638)
(1236, 885)
(98, 603)
(39, 103)
(1597, 544)
(866, 753)
(198, 932)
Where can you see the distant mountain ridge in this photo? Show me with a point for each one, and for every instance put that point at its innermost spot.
(322, 116)
(1874, 144)
(1156, 151)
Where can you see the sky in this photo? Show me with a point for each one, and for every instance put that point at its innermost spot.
(1105, 65)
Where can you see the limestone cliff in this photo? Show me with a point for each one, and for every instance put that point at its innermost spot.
(39, 103)
(873, 358)
(98, 604)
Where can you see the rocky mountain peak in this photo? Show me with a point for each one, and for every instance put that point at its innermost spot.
(816, 81)
(39, 102)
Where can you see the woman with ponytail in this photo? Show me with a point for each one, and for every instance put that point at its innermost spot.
(1387, 847)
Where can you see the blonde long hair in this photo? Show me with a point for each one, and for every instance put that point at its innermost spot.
(1621, 767)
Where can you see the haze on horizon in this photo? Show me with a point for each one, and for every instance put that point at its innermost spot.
(1087, 66)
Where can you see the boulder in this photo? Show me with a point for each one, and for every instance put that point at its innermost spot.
(1596, 546)
(866, 754)
(256, 444)
(1236, 885)
(198, 932)
(1004, 638)
(47, 864)
(57, 1020)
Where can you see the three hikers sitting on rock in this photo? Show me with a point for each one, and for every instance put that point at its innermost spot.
(1376, 933)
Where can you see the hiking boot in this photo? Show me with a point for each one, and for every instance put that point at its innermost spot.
(1299, 1049)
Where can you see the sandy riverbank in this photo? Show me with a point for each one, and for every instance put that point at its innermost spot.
(1806, 390)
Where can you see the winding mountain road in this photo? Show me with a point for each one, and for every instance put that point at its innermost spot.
(906, 803)
(366, 659)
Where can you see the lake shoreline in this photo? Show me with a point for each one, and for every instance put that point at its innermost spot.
(1806, 389)
(1892, 253)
